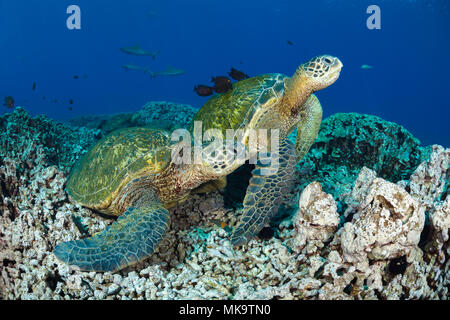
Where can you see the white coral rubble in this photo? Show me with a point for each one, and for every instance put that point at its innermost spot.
(317, 218)
(388, 224)
(429, 179)
(312, 258)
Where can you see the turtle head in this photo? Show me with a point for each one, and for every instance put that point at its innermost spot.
(316, 74)
(320, 72)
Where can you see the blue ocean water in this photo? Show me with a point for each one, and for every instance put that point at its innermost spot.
(408, 82)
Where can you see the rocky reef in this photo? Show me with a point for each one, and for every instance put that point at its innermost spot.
(160, 114)
(371, 220)
(21, 136)
(349, 141)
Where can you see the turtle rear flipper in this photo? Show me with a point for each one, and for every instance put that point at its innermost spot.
(267, 187)
(130, 239)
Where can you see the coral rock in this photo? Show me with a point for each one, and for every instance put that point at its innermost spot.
(161, 114)
(429, 180)
(317, 217)
(349, 141)
(440, 220)
(387, 225)
(196, 260)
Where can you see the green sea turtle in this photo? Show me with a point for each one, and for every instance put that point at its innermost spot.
(136, 173)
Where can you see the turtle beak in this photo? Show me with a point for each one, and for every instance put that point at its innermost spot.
(336, 70)
(340, 65)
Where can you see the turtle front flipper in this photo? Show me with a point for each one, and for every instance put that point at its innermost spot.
(130, 239)
(308, 126)
(265, 192)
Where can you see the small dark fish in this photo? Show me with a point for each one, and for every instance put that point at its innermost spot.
(222, 84)
(34, 86)
(237, 75)
(75, 77)
(290, 43)
(203, 90)
(70, 108)
(9, 102)
(71, 101)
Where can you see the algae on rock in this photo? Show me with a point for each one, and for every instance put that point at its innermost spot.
(159, 114)
(349, 141)
(196, 259)
(21, 135)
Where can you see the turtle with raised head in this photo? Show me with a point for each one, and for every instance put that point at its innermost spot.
(136, 173)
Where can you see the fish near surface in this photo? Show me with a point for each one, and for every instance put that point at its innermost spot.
(154, 54)
(132, 67)
(169, 72)
(138, 51)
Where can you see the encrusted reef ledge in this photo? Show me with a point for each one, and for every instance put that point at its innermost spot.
(162, 114)
(371, 221)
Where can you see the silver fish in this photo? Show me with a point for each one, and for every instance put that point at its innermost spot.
(138, 51)
(132, 67)
(169, 72)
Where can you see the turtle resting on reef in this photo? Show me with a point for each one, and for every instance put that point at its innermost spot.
(135, 173)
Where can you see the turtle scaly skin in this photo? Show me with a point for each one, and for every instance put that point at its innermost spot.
(135, 174)
(236, 109)
(114, 161)
(129, 173)
(271, 101)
